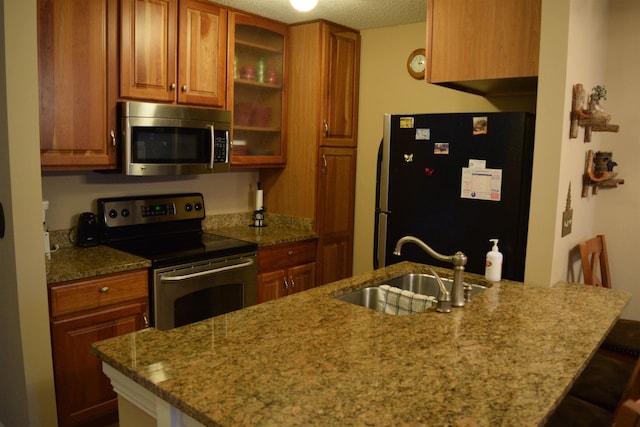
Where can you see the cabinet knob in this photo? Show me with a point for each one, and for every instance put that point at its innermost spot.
(172, 86)
(104, 289)
(290, 253)
(184, 88)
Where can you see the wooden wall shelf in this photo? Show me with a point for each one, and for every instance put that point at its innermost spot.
(593, 118)
(596, 180)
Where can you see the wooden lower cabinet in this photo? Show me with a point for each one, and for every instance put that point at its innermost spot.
(335, 213)
(286, 269)
(83, 312)
(336, 254)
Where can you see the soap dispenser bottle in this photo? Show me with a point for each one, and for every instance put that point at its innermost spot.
(493, 269)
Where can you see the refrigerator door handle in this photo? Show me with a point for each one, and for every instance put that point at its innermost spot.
(381, 239)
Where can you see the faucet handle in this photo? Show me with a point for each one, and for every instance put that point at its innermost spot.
(467, 288)
(443, 306)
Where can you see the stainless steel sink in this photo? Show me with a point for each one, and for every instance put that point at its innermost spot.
(366, 297)
(424, 284)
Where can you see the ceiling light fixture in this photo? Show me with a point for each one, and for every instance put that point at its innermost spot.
(304, 5)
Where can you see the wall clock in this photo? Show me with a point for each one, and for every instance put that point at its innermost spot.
(417, 64)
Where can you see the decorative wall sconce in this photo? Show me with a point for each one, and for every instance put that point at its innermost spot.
(593, 117)
(599, 172)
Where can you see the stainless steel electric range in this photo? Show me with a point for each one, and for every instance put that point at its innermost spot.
(194, 275)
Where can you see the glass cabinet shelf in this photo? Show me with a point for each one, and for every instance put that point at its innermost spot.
(258, 91)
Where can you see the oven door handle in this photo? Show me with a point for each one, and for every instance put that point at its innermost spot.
(207, 272)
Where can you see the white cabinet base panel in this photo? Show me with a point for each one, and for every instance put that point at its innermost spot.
(138, 407)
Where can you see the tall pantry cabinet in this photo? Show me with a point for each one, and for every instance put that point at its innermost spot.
(319, 179)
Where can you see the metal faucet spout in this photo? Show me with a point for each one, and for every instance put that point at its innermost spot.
(458, 260)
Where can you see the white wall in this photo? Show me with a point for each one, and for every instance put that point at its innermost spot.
(73, 193)
(559, 160)
(595, 48)
(26, 384)
(618, 210)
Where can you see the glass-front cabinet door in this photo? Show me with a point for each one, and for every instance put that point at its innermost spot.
(257, 93)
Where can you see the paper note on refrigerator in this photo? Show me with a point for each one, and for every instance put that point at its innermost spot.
(481, 184)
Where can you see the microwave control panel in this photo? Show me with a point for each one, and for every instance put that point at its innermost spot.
(221, 146)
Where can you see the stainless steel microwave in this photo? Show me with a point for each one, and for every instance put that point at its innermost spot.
(163, 139)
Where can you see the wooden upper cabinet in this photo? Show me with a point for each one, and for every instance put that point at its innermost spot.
(340, 115)
(473, 40)
(77, 64)
(173, 51)
(202, 53)
(148, 33)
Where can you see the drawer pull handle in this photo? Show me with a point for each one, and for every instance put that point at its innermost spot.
(290, 253)
(104, 289)
(145, 319)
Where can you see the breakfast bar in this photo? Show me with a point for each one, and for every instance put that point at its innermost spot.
(506, 358)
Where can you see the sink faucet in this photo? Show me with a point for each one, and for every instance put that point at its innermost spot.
(458, 260)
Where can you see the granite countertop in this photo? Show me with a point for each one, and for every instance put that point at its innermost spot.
(73, 263)
(279, 229)
(265, 236)
(506, 358)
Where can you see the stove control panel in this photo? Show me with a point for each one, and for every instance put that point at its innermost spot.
(140, 210)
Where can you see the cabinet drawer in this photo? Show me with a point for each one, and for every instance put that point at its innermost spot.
(97, 292)
(287, 255)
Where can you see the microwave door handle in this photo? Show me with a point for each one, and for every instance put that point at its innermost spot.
(213, 145)
(207, 272)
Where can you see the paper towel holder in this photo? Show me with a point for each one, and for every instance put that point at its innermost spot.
(258, 218)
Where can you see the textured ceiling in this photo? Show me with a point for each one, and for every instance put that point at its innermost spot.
(358, 14)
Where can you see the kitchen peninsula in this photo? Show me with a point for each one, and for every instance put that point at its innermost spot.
(506, 358)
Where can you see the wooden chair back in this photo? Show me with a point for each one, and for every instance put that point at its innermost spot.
(595, 262)
(628, 412)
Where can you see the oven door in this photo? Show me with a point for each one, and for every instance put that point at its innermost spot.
(191, 292)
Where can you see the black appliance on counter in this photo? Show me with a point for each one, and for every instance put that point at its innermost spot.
(88, 233)
(455, 181)
(194, 275)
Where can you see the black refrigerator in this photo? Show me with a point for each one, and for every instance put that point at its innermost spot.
(455, 181)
